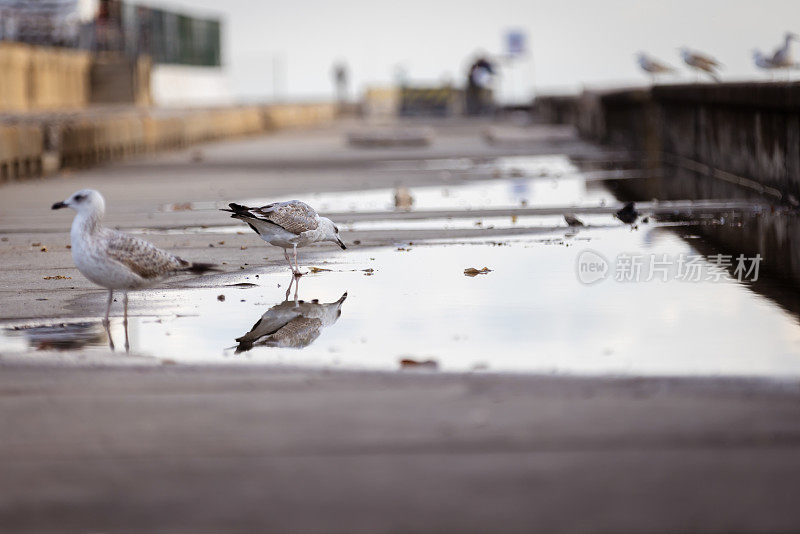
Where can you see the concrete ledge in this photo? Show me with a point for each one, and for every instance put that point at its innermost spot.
(90, 137)
(754, 95)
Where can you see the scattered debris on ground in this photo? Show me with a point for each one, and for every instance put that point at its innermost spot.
(410, 363)
(472, 271)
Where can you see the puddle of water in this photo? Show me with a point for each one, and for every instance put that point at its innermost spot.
(494, 193)
(530, 313)
(519, 182)
(461, 222)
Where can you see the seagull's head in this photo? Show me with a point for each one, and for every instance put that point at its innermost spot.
(791, 35)
(85, 201)
(331, 231)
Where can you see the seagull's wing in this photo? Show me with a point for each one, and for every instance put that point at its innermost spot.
(660, 67)
(273, 320)
(299, 332)
(706, 62)
(141, 257)
(293, 216)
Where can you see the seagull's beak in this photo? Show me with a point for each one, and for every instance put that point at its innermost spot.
(339, 241)
(59, 205)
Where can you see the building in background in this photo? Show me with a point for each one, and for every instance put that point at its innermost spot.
(182, 51)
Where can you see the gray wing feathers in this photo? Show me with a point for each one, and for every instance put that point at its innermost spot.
(293, 216)
(141, 257)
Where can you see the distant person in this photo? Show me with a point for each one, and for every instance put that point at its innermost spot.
(479, 80)
(340, 81)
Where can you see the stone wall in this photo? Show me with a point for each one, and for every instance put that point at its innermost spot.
(713, 141)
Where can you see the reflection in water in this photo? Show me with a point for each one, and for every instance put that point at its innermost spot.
(291, 324)
(63, 336)
(107, 327)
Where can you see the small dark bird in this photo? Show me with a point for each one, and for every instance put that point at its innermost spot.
(628, 214)
(572, 220)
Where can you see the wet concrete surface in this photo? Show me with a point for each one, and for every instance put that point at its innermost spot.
(199, 449)
(313, 426)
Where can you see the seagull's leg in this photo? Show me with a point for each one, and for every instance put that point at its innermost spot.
(289, 289)
(296, 268)
(125, 321)
(288, 259)
(106, 322)
(108, 306)
(296, 288)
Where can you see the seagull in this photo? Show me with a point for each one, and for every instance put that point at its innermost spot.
(702, 62)
(294, 324)
(288, 225)
(783, 58)
(627, 214)
(762, 61)
(653, 66)
(572, 220)
(114, 260)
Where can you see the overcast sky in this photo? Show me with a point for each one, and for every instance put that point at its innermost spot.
(573, 42)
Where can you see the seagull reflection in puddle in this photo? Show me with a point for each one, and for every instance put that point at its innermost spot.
(292, 323)
(62, 336)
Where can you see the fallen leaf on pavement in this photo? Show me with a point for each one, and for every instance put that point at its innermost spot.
(408, 363)
(472, 271)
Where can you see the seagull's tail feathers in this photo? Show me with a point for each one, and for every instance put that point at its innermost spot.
(239, 211)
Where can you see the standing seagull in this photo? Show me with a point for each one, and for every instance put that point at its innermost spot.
(652, 66)
(628, 213)
(702, 62)
(783, 58)
(115, 260)
(762, 61)
(288, 225)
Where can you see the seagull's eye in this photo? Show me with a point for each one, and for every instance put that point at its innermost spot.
(335, 229)
(80, 198)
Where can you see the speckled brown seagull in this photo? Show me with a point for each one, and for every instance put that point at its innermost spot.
(114, 260)
(288, 225)
(701, 62)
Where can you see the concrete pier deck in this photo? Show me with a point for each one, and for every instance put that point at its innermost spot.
(111, 443)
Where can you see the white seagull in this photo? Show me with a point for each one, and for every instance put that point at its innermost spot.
(114, 260)
(783, 58)
(702, 62)
(652, 66)
(288, 225)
